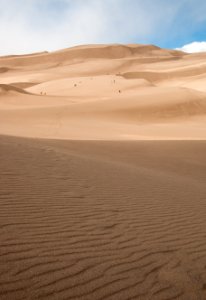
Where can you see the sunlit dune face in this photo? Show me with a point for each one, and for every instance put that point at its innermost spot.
(104, 92)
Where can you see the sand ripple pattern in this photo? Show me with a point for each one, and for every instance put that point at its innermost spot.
(122, 223)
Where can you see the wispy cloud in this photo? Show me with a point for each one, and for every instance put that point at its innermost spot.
(37, 25)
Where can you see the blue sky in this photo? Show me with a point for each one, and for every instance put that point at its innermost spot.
(38, 25)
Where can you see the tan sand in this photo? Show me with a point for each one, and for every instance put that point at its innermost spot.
(104, 92)
(102, 220)
(102, 174)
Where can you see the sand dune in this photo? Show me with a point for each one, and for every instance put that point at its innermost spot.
(90, 52)
(104, 92)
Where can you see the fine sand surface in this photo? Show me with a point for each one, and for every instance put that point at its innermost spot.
(102, 220)
(102, 174)
(104, 92)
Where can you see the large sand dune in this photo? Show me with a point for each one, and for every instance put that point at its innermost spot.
(102, 174)
(104, 92)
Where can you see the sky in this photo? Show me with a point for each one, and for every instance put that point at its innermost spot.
(28, 26)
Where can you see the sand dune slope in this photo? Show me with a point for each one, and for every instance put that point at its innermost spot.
(102, 220)
(150, 113)
(104, 92)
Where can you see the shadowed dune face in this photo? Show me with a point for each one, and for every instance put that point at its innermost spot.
(104, 92)
(6, 88)
(102, 220)
(4, 70)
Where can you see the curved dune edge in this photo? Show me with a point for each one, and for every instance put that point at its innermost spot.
(7, 88)
(24, 85)
(169, 75)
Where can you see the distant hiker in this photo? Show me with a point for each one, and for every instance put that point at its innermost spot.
(120, 91)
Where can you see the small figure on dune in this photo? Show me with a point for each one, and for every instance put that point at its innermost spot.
(41, 93)
(75, 85)
(120, 91)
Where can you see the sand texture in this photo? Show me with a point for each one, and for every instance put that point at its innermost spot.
(104, 92)
(103, 174)
(102, 220)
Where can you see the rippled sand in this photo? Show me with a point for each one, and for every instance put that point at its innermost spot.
(102, 220)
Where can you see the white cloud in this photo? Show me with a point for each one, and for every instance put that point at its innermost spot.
(194, 47)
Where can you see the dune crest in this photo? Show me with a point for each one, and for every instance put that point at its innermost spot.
(90, 52)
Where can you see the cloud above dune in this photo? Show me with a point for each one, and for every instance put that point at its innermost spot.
(38, 25)
(194, 47)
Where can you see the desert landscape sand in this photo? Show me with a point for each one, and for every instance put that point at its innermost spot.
(102, 174)
(104, 92)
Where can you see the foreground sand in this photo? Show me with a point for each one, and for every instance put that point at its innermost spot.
(102, 220)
